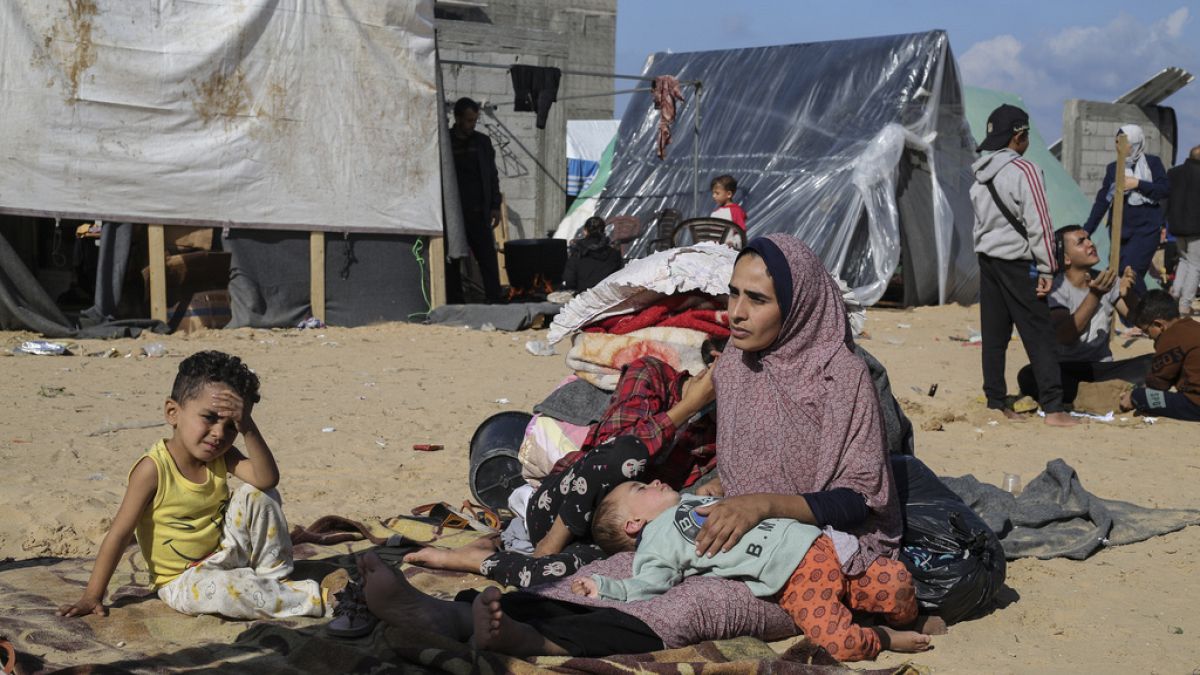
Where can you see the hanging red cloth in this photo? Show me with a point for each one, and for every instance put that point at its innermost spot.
(666, 92)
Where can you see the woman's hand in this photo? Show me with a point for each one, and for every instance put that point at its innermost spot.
(711, 489)
(728, 520)
(585, 586)
(699, 391)
(1131, 183)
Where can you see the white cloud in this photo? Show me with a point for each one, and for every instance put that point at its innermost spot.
(999, 63)
(1175, 22)
(1097, 62)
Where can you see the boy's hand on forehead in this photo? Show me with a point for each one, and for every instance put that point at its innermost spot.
(228, 405)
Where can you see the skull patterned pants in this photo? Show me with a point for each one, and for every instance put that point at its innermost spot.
(573, 494)
(246, 578)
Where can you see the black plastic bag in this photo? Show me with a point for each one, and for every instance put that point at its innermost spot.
(957, 562)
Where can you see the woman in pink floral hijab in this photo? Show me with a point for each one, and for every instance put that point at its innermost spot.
(799, 431)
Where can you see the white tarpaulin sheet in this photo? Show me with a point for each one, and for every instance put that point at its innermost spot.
(289, 114)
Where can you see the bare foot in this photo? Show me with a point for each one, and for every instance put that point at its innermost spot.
(1012, 415)
(930, 625)
(463, 559)
(391, 598)
(497, 632)
(907, 641)
(1060, 419)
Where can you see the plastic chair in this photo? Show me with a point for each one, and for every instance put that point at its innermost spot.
(709, 229)
(624, 231)
(668, 220)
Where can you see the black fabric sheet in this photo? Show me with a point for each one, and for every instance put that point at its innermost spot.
(368, 278)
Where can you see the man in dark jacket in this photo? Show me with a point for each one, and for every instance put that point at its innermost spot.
(592, 257)
(1183, 220)
(479, 194)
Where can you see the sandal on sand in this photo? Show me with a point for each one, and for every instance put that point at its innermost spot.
(474, 516)
(351, 618)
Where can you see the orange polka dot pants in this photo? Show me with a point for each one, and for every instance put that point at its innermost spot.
(820, 599)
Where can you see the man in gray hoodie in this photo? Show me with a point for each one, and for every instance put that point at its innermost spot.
(1014, 239)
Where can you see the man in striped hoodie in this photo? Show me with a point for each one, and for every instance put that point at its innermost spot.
(1014, 239)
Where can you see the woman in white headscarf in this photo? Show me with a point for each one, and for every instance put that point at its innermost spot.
(1145, 192)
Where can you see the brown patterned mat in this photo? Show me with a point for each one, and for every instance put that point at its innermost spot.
(143, 635)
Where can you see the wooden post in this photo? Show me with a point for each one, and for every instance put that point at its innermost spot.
(158, 273)
(437, 271)
(502, 239)
(1118, 214)
(1118, 205)
(316, 267)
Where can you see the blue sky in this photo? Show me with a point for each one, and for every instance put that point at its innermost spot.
(1047, 51)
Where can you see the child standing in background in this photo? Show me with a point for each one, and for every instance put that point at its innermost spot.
(723, 189)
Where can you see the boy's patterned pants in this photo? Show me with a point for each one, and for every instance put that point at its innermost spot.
(820, 599)
(246, 578)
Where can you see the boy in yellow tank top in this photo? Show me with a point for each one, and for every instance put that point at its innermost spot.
(208, 552)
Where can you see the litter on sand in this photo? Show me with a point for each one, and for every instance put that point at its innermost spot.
(43, 348)
(1108, 417)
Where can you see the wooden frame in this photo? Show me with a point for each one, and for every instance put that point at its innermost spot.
(316, 267)
(158, 272)
(316, 264)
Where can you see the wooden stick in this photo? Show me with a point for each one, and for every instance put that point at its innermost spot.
(158, 273)
(1118, 205)
(437, 271)
(316, 266)
(122, 426)
(502, 239)
(1118, 214)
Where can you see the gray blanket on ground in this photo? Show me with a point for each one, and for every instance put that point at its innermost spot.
(578, 402)
(518, 316)
(1055, 517)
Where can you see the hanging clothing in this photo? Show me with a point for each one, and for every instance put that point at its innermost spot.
(666, 92)
(535, 89)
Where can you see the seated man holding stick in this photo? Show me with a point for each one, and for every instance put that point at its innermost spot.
(1081, 309)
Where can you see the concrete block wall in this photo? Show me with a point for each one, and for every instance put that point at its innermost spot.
(590, 28)
(1089, 130)
(568, 34)
(535, 199)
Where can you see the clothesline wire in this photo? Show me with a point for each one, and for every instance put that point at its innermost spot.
(584, 73)
(696, 84)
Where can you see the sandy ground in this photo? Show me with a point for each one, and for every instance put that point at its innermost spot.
(382, 389)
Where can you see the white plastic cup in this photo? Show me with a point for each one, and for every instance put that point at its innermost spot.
(1012, 483)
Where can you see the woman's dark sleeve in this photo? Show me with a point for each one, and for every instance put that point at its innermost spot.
(1157, 188)
(839, 508)
(1100, 206)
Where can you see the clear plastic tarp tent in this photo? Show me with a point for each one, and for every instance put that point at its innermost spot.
(859, 147)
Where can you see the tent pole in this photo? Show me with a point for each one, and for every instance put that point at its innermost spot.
(158, 273)
(437, 271)
(316, 266)
(696, 155)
